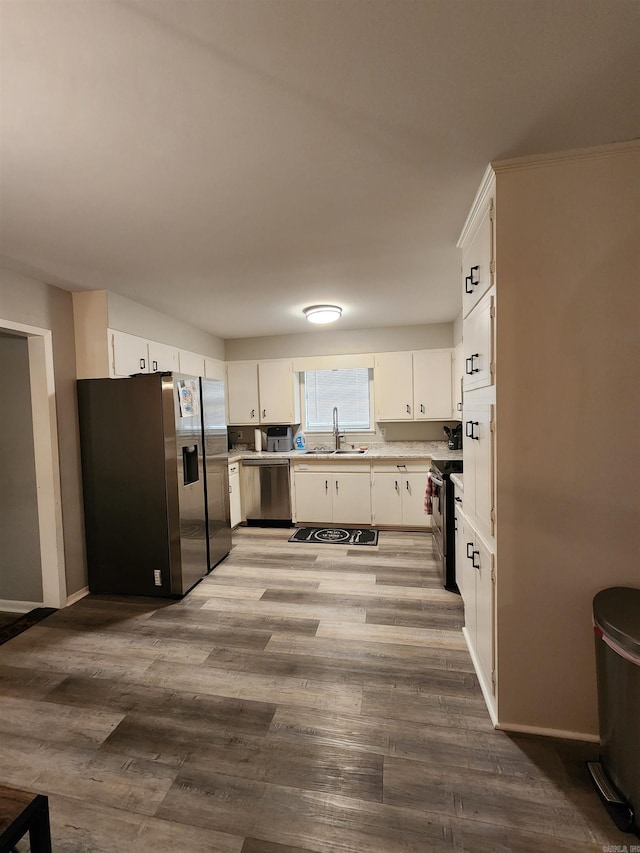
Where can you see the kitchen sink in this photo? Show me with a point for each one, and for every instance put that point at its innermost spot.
(334, 452)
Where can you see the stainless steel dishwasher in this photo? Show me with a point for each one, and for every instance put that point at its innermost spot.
(266, 492)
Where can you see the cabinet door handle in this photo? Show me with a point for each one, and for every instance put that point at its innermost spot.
(422, 408)
(467, 285)
(253, 413)
(407, 485)
(326, 486)
(396, 485)
(468, 365)
(473, 559)
(408, 409)
(143, 364)
(468, 429)
(471, 272)
(264, 413)
(154, 366)
(469, 556)
(475, 369)
(458, 499)
(336, 487)
(455, 524)
(473, 425)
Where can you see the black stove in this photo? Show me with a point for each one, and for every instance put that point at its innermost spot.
(443, 518)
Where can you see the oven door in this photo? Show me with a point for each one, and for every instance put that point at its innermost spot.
(438, 517)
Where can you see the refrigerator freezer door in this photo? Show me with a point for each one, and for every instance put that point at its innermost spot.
(185, 480)
(216, 470)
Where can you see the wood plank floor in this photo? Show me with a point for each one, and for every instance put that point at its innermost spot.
(301, 699)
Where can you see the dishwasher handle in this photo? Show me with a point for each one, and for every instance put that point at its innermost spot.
(264, 462)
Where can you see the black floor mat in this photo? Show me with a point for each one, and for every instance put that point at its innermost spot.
(336, 535)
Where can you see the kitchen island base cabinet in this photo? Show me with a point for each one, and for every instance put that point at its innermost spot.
(324, 496)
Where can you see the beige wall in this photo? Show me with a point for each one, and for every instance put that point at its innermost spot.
(325, 342)
(20, 567)
(24, 300)
(568, 323)
(125, 315)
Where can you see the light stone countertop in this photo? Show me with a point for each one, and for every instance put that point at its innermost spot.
(377, 451)
(458, 482)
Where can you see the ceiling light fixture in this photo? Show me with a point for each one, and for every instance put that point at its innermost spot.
(322, 313)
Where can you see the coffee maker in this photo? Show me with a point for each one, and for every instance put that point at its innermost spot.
(454, 436)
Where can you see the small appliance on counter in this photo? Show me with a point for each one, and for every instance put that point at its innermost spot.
(279, 438)
(454, 436)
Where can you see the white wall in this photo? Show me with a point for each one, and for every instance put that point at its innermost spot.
(568, 321)
(24, 300)
(125, 315)
(20, 567)
(336, 342)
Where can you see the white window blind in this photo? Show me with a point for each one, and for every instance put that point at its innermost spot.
(346, 388)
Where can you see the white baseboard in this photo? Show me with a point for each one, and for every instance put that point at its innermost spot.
(516, 728)
(10, 606)
(76, 596)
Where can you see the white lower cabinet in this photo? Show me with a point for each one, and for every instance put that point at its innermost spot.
(475, 575)
(397, 495)
(235, 503)
(324, 495)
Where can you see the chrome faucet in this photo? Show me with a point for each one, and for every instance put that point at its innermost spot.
(336, 429)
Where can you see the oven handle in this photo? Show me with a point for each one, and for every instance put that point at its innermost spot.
(436, 480)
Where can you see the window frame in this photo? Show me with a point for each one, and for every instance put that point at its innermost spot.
(303, 405)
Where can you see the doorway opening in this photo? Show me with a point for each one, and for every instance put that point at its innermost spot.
(41, 465)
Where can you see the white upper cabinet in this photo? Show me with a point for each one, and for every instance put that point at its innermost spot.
(413, 386)
(162, 357)
(242, 392)
(432, 385)
(458, 374)
(278, 392)
(393, 383)
(129, 354)
(477, 257)
(265, 392)
(214, 368)
(478, 344)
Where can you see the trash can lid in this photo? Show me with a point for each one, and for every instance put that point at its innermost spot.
(616, 611)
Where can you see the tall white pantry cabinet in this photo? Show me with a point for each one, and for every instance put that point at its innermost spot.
(550, 335)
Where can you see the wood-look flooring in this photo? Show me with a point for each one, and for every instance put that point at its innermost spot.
(301, 699)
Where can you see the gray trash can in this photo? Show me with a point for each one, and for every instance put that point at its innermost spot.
(616, 622)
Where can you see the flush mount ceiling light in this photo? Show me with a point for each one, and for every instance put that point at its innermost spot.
(322, 313)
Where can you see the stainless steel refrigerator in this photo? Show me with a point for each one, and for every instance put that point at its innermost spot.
(156, 506)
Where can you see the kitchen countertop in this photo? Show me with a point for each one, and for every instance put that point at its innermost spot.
(458, 482)
(395, 450)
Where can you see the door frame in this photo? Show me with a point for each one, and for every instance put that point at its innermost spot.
(47, 459)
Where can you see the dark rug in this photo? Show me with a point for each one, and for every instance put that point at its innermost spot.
(21, 623)
(336, 535)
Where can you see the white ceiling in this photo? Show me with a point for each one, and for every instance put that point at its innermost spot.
(231, 161)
